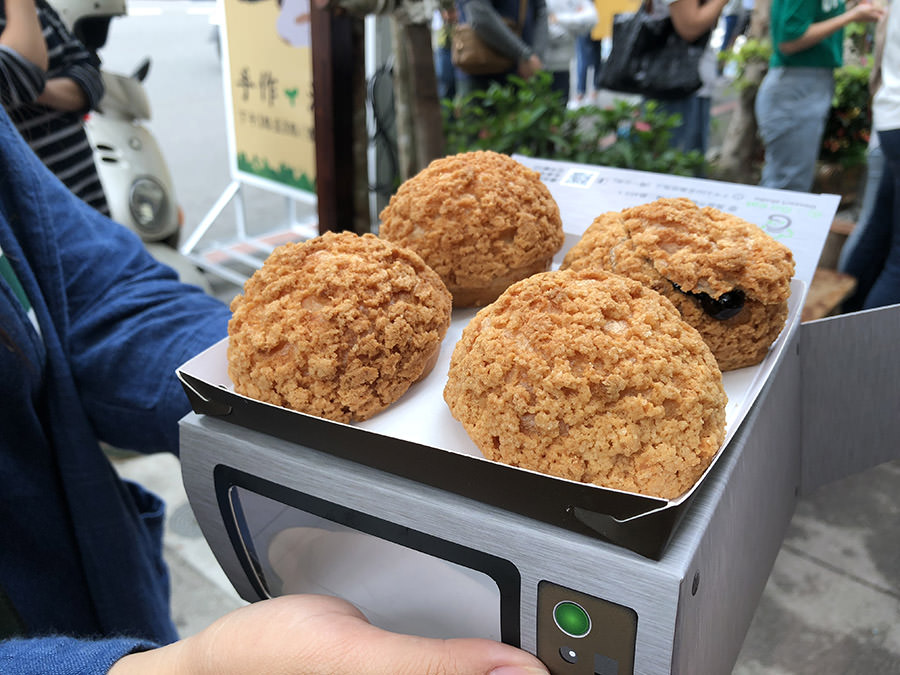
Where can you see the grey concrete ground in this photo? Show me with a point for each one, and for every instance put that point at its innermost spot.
(832, 603)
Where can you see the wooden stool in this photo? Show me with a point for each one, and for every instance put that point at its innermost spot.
(837, 235)
(828, 290)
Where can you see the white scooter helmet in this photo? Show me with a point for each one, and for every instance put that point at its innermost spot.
(89, 20)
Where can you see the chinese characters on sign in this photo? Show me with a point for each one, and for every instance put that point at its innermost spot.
(265, 90)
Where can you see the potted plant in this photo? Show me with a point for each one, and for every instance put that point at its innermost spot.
(842, 158)
(529, 118)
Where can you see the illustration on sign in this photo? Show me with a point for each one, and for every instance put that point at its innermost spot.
(271, 91)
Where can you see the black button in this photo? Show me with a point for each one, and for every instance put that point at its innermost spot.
(568, 654)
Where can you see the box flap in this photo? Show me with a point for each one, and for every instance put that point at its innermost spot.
(850, 375)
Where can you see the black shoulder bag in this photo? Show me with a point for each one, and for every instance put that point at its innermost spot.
(649, 58)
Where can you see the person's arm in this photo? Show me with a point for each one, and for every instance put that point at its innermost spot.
(125, 320)
(23, 33)
(312, 634)
(60, 654)
(877, 55)
(491, 28)
(74, 82)
(131, 324)
(291, 635)
(23, 55)
(22, 80)
(818, 31)
(691, 18)
(63, 93)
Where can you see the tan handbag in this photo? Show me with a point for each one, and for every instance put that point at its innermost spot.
(470, 54)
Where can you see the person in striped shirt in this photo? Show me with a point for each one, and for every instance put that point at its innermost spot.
(48, 81)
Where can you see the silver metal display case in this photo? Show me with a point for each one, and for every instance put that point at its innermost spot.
(431, 542)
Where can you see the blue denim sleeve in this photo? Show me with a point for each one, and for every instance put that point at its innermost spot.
(125, 320)
(132, 323)
(64, 655)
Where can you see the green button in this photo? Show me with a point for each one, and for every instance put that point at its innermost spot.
(572, 619)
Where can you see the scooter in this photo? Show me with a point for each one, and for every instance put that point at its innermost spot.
(132, 168)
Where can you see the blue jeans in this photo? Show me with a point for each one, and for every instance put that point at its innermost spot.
(561, 83)
(445, 72)
(587, 55)
(875, 260)
(693, 132)
(792, 106)
(874, 169)
(731, 22)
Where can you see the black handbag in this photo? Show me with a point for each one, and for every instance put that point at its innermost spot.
(649, 58)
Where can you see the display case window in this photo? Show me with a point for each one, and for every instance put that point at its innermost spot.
(401, 579)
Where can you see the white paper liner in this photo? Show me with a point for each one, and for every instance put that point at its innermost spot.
(422, 416)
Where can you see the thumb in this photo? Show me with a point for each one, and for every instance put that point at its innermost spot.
(315, 634)
(380, 652)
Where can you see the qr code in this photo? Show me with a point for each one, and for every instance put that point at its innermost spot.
(579, 178)
(549, 174)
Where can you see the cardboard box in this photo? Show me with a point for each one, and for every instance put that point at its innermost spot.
(417, 438)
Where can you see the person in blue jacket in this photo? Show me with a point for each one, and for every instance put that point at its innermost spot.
(92, 329)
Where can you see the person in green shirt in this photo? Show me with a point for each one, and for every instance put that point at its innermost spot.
(795, 95)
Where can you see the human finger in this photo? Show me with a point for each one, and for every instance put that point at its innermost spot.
(310, 635)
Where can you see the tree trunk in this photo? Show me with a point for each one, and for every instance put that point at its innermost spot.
(335, 62)
(420, 136)
(419, 125)
(741, 147)
(361, 217)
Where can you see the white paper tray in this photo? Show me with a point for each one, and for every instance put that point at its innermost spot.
(421, 416)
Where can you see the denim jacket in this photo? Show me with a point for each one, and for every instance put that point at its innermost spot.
(80, 549)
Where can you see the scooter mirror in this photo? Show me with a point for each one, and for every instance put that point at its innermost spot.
(142, 70)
